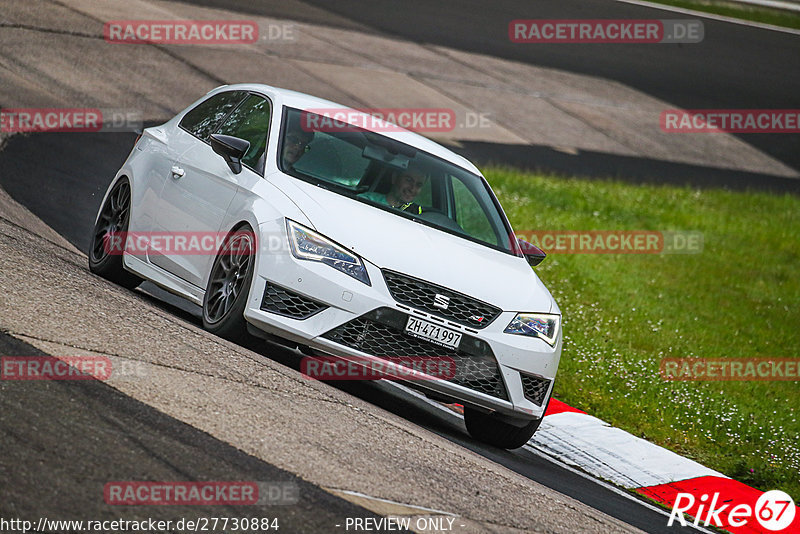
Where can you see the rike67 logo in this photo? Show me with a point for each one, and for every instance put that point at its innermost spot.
(774, 511)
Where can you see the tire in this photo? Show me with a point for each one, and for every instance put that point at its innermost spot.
(489, 429)
(105, 260)
(228, 286)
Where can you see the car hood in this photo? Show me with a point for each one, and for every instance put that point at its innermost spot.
(396, 243)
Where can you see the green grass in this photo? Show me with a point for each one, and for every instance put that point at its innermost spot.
(622, 314)
(777, 17)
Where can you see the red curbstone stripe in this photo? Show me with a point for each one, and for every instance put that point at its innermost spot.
(731, 493)
(556, 406)
(704, 490)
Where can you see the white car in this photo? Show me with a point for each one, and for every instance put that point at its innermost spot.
(363, 243)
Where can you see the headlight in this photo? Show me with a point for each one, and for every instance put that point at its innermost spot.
(541, 325)
(307, 244)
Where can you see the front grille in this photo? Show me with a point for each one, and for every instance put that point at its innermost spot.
(419, 294)
(381, 333)
(535, 388)
(288, 303)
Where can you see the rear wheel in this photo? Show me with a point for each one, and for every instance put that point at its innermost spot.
(228, 285)
(490, 429)
(105, 250)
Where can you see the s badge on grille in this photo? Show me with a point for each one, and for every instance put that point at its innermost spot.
(441, 301)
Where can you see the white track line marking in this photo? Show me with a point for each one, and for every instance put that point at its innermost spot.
(712, 16)
(612, 454)
(532, 448)
(604, 484)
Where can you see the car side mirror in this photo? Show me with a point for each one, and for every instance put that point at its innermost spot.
(232, 149)
(533, 254)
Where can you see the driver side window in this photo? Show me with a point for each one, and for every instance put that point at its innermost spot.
(203, 119)
(250, 121)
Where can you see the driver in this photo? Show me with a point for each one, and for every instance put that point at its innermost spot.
(405, 188)
(296, 142)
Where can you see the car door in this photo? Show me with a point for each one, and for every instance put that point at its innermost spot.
(162, 146)
(194, 201)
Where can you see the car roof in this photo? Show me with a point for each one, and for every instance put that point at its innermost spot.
(295, 99)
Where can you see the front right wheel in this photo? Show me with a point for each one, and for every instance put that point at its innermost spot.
(490, 429)
(228, 286)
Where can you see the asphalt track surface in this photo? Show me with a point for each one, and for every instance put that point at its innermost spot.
(63, 440)
(61, 178)
(734, 67)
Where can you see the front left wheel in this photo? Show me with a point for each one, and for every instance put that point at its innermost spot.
(228, 285)
(105, 250)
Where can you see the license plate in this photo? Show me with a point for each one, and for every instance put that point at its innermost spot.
(434, 333)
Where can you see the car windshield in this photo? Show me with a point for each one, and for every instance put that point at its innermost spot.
(391, 176)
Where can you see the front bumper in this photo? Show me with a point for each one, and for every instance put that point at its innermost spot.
(315, 305)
